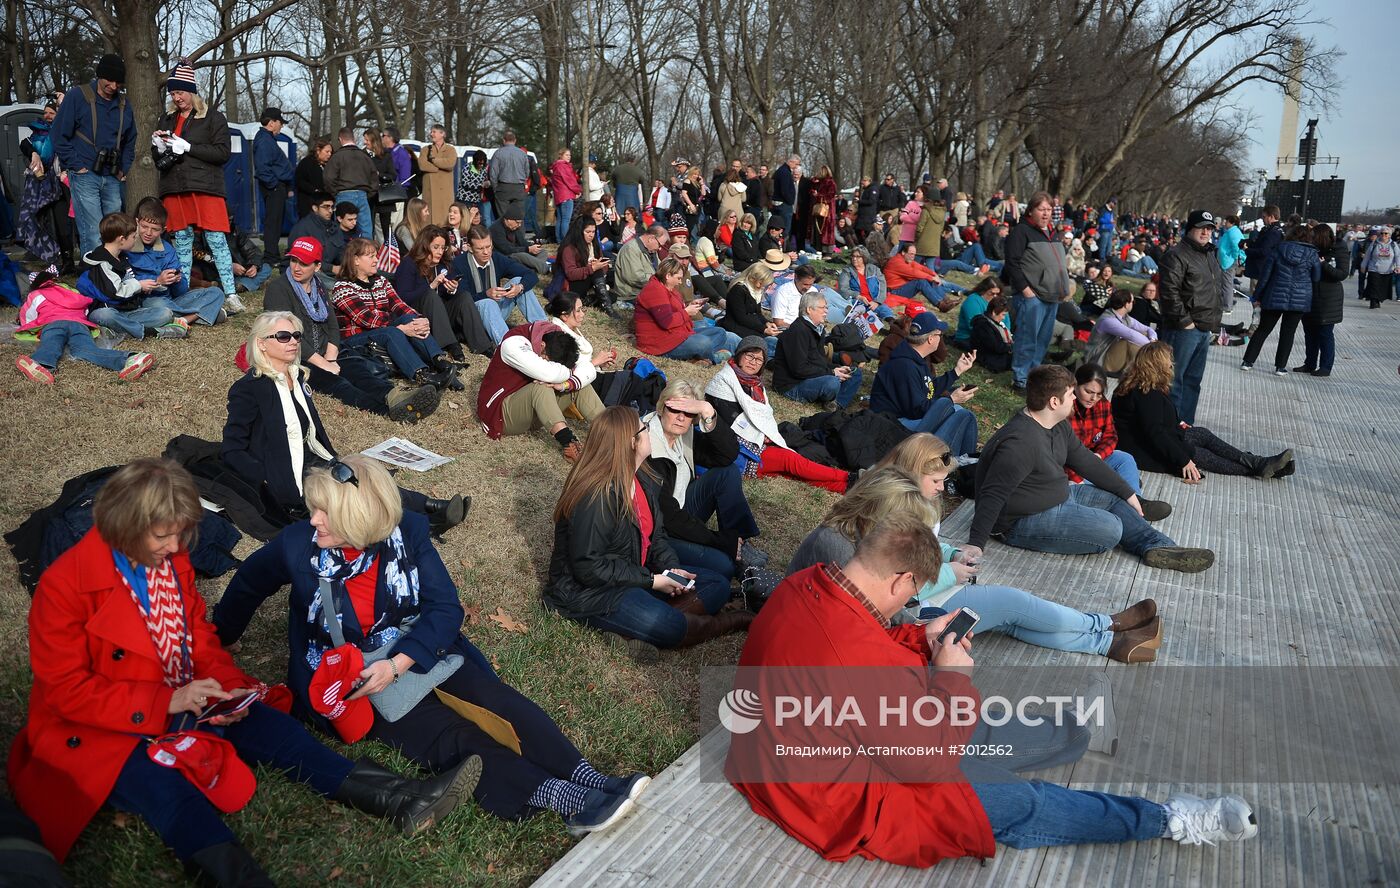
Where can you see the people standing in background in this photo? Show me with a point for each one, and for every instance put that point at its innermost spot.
(1380, 264)
(309, 176)
(275, 175)
(94, 135)
(508, 171)
(437, 168)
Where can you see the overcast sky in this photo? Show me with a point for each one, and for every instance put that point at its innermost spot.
(1363, 126)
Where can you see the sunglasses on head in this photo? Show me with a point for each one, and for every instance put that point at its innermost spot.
(945, 458)
(343, 474)
(285, 336)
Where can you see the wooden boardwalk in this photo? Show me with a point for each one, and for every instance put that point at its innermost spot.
(1307, 573)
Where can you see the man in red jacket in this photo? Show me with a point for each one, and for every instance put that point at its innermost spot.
(825, 620)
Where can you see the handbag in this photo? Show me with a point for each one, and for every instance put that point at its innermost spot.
(821, 210)
(389, 194)
(395, 701)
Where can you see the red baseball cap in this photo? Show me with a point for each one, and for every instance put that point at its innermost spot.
(209, 762)
(340, 668)
(306, 250)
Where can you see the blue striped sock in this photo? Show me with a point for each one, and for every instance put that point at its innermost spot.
(560, 796)
(589, 776)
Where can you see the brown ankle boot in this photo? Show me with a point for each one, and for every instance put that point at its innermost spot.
(700, 629)
(689, 603)
(1135, 616)
(1137, 645)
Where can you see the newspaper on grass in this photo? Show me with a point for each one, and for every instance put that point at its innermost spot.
(406, 455)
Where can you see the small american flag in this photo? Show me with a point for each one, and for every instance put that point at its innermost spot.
(389, 255)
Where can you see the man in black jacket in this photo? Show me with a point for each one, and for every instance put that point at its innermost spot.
(785, 193)
(1190, 302)
(867, 207)
(891, 197)
(801, 369)
(508, 237)
(351, 177)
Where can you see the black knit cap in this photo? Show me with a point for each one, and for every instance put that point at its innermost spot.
(111, 67)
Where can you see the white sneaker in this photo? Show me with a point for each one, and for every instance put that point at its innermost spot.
(232, 304)
(1192, 820)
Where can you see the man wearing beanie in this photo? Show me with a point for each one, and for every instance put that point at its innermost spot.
(94, 136)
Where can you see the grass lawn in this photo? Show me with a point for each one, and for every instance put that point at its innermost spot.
(622, 716)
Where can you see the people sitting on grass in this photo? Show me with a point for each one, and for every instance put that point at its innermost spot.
(991, 336)
(923, 809)
(906, 389)
(694, 455)
(250, 266)
(908, 278)
(613, 566)
(424, 281)
(369, 311)
(739, 397)
(118, 296)
(636, 262)
(862, 282)
(125, 665)
(908, 481)
(153, 258)
(788, 295)
(742, 315)
(1098, 287)
(273, 435)
(509, 238)
(58, 315)
(1024, 499)
(353, 380)
(496, 284)
(1117, 337)
(1150, 429)
(1092, 422)
(376, 651)
(583, 266)
(974, 304)
(537, 374)
(801, 370)
(665, 323)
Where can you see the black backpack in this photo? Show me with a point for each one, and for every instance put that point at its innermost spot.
(638, 384)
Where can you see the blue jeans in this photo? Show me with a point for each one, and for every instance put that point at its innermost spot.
(72, 335)
(1089, 522)
(184, 818)
(933, 293)
(836, 306)
(409, 353)
(648, 616)
(364, 222)
(1122, 462)
(204, 303)
(94, 196)
(707, 343)
(709, 558)
(820, 389)
(133, 323)
(1105, 245)
(1034, 620)
(1034, 322)
(721, 492)
(255, 282)
(495, 312)
(488, 213)
(1189, 350)
(531, 217)
(628, 196)
(1035, 814)
(973, 254)
(1320, 344)
(955, 265)
(956, 427)
(563, 215)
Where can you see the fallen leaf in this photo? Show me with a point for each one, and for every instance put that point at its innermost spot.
(490, 867)
(452, 405)
(336, 873)
(473, 615)
(507, 622)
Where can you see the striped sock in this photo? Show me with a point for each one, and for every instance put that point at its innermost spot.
(586, 775)
(560, 796)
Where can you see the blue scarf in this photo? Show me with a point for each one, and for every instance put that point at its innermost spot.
(311, 298)
(400, 576)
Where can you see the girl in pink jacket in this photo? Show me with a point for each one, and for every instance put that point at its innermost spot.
(59, 314)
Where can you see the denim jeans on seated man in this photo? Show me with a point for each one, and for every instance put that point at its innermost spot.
(1089, 522)
(707, 343)
(364, 221)
(409, 353)
(953, 425)
(1033, 325)
(1189, 350)
(647, 615)
(820, 389)
(133, 323)
(919, 287)
(975, 256)
(1123, 463)
(249, 284)
(204, 303)
(697, 555)
(496, 312)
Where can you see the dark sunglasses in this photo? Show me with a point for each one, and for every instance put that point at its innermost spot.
(343, 474)
(285, 336)
(946, 459)
(681, 413)
(641, 431)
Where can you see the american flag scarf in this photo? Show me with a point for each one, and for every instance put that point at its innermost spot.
(157, 595)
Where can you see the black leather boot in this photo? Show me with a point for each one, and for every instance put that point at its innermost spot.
(227, 865)
(411, 805)
(440, 379)
(444, 514)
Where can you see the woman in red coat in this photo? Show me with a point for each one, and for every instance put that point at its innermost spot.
(122, 654)
(665, 325)
(824, 210)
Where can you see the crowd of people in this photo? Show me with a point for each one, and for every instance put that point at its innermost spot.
(655, 541)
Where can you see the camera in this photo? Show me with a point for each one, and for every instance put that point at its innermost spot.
(105, 164)
(537, 241)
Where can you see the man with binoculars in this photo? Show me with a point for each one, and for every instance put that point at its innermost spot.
(94, 136)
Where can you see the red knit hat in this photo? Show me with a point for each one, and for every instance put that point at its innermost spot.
(340, 668)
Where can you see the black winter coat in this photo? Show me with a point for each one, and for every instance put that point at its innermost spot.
(598, 556)
(712, 450)
(201, 169)
(745, 249)
(255, 443)
(742, 316)
(993, 351)
(799, 356)
(1150, 431)
(1329, 292)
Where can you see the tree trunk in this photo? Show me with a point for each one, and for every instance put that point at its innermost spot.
(230, 107)
(136, 42)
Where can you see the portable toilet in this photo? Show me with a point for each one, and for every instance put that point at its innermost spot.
(14, 128)
(240, 189)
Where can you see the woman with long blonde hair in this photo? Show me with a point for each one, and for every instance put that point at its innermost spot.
(613, 567)
(1150, 429)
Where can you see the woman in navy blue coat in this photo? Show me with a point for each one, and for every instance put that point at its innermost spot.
(1284, 293)
(393, 595)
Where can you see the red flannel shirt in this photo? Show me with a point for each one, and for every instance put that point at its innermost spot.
(368, 306)
(1094, 428)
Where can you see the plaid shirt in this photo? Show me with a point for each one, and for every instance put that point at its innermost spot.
(1094, 428)
(361, 307)
(845, 583)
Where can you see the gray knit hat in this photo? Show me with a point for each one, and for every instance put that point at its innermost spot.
(749, 343)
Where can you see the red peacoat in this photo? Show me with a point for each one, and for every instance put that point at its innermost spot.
(810, 621)
(98, 687)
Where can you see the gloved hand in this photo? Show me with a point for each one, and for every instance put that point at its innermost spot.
(179, 145)
(159, 143)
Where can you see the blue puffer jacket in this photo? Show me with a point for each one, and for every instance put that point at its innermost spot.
(1286, 282)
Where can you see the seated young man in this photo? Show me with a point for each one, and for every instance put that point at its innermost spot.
(801, 369)
(118, 296)
(250, 268)
(1025, 500)
(535, 375)
(920, 809)
(485, 277)
(152, 258)
(905, 389)
(787, 297)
